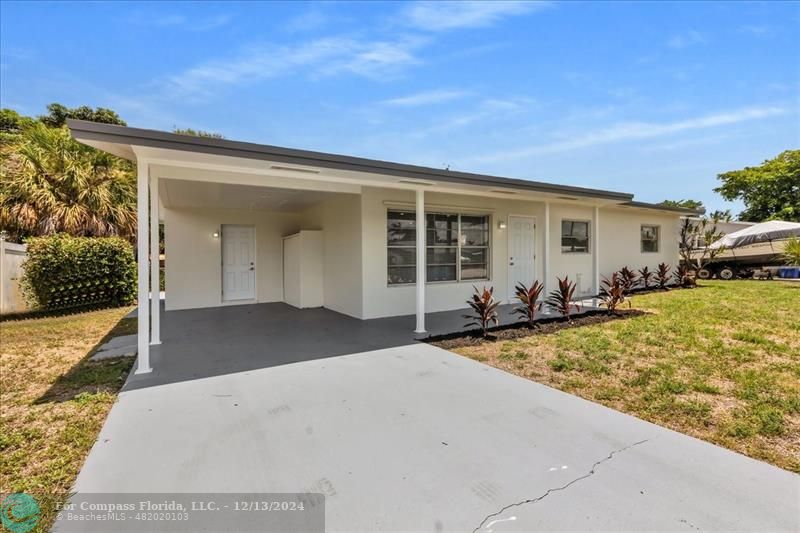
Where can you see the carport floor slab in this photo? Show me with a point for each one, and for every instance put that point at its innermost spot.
(415, 438)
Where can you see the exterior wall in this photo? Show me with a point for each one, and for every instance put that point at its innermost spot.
(380, 299)
(193, 256)
(339, 218)
(578, 266)
(355, 257)
(620, 243)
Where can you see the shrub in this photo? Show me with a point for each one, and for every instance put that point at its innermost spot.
(684, 276)
(561, 298)
(791, 252)
(63, 272)
(529, 297)
(485, 309)
(662, 275)
(645, 275)
(628, 278)
(612, 293)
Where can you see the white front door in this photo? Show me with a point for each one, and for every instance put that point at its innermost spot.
(521, 252)
(238, 263)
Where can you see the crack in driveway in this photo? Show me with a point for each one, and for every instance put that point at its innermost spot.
(563, 487)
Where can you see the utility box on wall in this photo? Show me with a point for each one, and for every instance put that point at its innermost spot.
(302, 269)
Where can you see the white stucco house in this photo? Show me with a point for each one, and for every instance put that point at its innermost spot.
(247, 223)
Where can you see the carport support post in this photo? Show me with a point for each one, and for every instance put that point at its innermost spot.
(546, 261)
(420, 261)
(155, 266)
(143, 332)
(596, 254)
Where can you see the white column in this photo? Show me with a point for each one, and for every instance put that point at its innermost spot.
(596, 253)
(155, 300)
(144, 270)
(546, 251)
(420, 262)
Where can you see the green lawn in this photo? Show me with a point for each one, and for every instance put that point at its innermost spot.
(54, 401)
(720, 362)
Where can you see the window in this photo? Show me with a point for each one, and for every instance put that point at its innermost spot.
(650, 238)
(456, 247)
(574, 236)
(401, 246)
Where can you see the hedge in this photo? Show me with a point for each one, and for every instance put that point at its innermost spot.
(64, 272)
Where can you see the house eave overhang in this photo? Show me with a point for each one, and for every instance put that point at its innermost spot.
(120, 140)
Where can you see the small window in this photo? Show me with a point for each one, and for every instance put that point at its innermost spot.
(574, 236)
(650, 238)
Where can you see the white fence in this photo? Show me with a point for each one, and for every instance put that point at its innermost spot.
(12, 256)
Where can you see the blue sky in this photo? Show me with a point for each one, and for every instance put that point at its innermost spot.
(649, 98)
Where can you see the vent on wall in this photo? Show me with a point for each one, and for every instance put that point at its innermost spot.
(295, 169)
(501, 191)
(412, 181)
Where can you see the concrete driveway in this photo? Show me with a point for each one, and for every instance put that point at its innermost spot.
(415, 438)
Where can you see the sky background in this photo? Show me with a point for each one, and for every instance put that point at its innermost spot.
(650, 98)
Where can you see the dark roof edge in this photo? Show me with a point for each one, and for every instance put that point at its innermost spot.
(659, 207)
(86, 130)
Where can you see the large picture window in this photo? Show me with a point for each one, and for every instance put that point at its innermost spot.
(456, 247)
(574, 236)
(650, 238)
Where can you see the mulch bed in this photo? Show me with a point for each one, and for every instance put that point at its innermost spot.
(522, 329)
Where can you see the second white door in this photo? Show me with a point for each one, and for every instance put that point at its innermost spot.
(521, 252)
(238, 263)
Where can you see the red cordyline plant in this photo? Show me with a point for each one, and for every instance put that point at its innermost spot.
(683, 276)
(485, 309)
(662, 275)
(628, 278)
(645, 274)
(561, 298)
(612, 293)
(529, 297)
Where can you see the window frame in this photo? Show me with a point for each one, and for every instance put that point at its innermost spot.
(458, 247)
(657, 239)
(588, 236)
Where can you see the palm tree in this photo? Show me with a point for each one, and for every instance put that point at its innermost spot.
(50, 183)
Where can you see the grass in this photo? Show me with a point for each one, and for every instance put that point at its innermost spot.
(720, 362)
(54, 401)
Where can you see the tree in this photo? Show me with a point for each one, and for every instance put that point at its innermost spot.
(198, 133)
(50, 183)
(769, 191)
(695, 240)
(721, 216)
(684, 204)
(58, 114)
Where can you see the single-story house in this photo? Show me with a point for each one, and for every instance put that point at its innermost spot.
(247, 223)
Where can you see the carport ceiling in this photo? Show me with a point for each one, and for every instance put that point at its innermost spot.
(188, 194)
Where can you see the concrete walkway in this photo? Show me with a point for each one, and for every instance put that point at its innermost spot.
(415, 438)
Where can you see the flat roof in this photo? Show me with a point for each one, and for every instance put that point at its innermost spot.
(123, 135)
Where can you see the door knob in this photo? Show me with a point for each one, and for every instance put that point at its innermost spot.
(252, 268)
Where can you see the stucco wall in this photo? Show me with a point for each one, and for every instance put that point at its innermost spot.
(339, 218)
(355, 257)
(621, 244)
(193, 256)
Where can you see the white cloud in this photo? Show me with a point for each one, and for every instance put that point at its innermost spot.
(308, 21)
(689, 38)
(321, 57)
(427, 98)
(442, 16)
(634, 130)
(753, 29)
